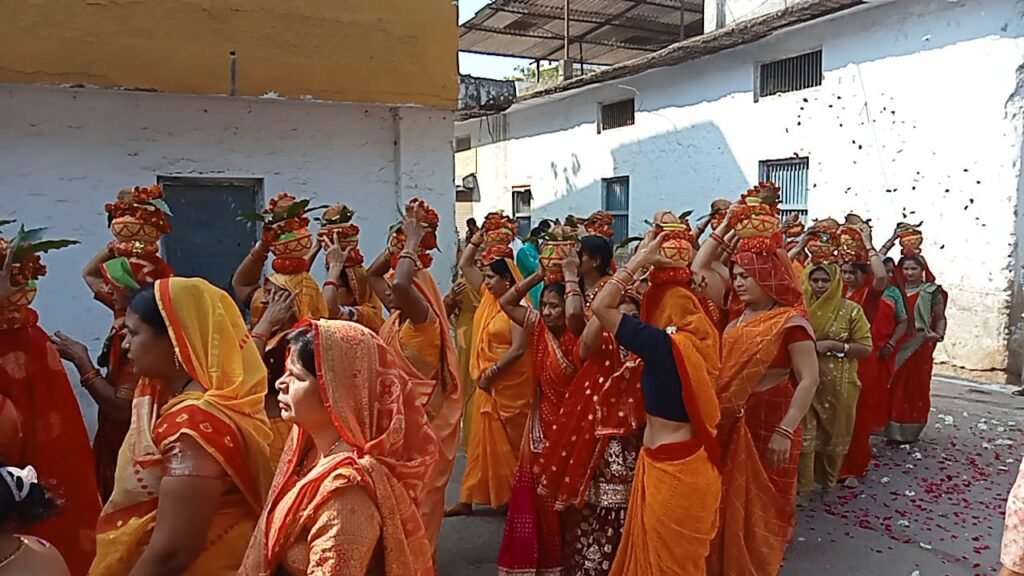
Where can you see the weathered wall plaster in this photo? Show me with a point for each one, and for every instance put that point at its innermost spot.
(64, 153)
(380, 51)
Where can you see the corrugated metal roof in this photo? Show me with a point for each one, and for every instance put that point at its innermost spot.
(601, 31)
(737, 34)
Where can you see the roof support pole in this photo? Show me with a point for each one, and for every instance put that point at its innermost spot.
(566, 66)
(565, 17)
(682, 21)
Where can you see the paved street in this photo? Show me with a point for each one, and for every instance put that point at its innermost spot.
(932, 509)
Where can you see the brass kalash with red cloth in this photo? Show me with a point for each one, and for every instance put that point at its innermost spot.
(138, 218)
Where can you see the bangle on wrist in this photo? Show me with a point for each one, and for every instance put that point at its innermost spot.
(618, 282)
(260, 336)
(784, 432)
(332, 284)
(90, 376)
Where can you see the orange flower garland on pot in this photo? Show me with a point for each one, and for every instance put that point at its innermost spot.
(26, 269)
(137, 219)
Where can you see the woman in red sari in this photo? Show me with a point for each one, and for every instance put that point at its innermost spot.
(910, 400)
(532, 543)
(54, 438)
(588, 463)
(865, 278)
(767, 382)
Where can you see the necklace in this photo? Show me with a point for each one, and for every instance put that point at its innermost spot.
(17, 550)
(333, 446)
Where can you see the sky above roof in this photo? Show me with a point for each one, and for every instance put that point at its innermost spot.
(478, 64)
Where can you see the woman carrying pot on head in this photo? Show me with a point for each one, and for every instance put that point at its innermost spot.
(281, 299)
(533, 535)
(765, 387)
(501, 368)
(418, 333)
(678, 344)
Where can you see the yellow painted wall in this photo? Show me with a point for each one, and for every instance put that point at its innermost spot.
(380, 51)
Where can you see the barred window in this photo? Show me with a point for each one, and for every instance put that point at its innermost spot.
(615, 201)
(791, 175)
(791, 74)
(617, 115)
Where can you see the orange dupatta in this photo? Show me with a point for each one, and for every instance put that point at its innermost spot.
(227, 419)
(444, 409)
(376, 410)
(664, 535)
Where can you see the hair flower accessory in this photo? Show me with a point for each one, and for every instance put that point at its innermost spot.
(20, 480)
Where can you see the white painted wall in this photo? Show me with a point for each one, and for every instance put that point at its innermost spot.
(65, 152)
(911, 123)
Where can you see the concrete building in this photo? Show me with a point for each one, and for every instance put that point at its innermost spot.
(901, 111)
(227, 104)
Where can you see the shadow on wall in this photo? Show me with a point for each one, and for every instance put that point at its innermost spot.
(664, 162)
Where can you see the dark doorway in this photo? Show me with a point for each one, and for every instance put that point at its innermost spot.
(208, 240)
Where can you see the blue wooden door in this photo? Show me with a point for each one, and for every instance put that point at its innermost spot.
(207, 239)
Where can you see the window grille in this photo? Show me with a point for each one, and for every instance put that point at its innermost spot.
(791, 175)
(789, 74)
(615, 201)
(617, 115)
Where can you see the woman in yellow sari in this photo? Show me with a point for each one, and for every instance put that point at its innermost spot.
(842, 335)
(344, 500)
(417, 332)
(275, 305)
(502, 370)
(193, 470)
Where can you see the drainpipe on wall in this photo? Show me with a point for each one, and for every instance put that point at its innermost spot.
(234, 72)
(396, 123)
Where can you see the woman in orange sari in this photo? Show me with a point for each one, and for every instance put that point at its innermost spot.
(926, 326)
(278, 301)
(344, 500)
(54, 438)
(419, 336)
(532, 543)
(766, 385)
(678, 343)
(194, 468)
(502, 371)
(113, 279)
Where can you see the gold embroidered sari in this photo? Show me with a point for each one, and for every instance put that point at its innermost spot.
(354, 512)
